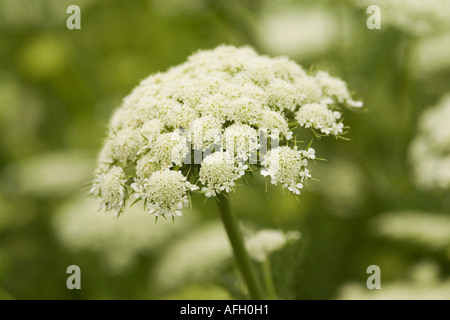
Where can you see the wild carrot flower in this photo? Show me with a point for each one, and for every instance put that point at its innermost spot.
(200, 126)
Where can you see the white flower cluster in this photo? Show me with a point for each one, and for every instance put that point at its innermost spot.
(240, 140)
(219, 171)
(335, 90)
(127, 144)
(414, 17)
(264, 242)
(220, 103)
(169, 149)
(274, 124)
(318, 116)
(110, 187)
(287, 166)
(164, 192)
(205, 132)
(430, 150)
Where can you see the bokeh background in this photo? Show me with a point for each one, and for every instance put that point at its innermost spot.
(58, 88)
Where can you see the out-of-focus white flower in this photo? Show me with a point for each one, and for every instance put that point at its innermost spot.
(344, 190)
(427, 229)
(218, 173)
(264, 242)
(286, 29)
(226, 95)
(431, 55)
(51, 174)
(424, 284)
(79, 228)
(196, 256)
(287, 166)
(20, 14)
(430, 150)
(413, 17)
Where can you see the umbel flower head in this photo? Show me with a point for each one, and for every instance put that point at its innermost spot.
(202, 125)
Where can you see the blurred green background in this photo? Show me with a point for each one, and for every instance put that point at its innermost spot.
(59, 87)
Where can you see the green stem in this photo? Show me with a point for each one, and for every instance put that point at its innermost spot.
(237, 243)
(268, 279)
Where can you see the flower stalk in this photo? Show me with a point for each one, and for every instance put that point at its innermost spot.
(243, 261)
(268, 279)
